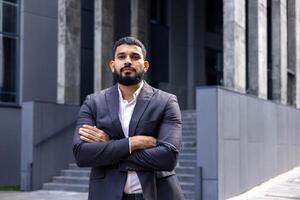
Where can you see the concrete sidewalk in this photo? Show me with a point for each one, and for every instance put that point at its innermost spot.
(283, 187)
(43, 195)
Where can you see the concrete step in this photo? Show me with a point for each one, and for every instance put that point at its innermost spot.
(186, 186)
(187, 156)
(189, 195)
(188, 144)
(189, 127)
(74, 166)
(66, 187)
(71, 180)
(75, 173)
(187, 178)
(189, 138)
(185, 170)
(189, 133)
(188, 150)
(187, 163)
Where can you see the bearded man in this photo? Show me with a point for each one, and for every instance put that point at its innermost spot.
(130, 133)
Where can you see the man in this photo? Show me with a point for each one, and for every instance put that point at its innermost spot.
(130, 134)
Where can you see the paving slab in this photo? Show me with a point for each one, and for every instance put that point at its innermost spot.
(43, 195)
(283, 187)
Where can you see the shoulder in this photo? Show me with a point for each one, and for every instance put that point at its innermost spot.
(163, 95)
(101, 94)
(168, 102)
(97, 99)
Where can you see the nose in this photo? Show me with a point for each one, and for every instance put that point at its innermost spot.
(128, 60)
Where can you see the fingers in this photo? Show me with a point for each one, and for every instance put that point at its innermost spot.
(94, 128)
(86, 139)
(93, 134)
(88, 131)
(152, 141)
(88, 135)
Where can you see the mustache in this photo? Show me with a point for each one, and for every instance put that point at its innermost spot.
(127, 68)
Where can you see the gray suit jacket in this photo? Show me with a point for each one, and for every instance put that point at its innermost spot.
(156, 114)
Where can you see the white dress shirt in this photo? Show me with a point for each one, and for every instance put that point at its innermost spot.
(126, 108)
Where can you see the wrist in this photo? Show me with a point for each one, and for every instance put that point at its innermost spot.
(133, 143)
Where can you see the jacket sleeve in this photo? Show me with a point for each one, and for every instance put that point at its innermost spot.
(163, 157)
(99, 153)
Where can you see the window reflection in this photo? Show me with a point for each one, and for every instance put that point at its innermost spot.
(7, 69)
(8, 50)
(214, 67)
(9, 13)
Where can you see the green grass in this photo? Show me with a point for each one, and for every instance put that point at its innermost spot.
(10, 188)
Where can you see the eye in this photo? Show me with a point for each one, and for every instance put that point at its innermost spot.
(136, 56)
(121, 57)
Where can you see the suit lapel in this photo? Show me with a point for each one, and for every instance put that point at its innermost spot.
(112, 102)
(141, 104)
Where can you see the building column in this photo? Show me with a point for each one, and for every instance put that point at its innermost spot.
(190, 53)
(294, 47)
(140, 20)
(234, 45)
(279, 51)
(257, 48)
(1, 61)
(1, 51)
(68, 66)
(103, 44)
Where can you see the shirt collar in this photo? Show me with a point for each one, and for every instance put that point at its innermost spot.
(135, 94)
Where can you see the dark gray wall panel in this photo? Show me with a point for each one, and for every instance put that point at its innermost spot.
(39, 50)
(47, 134)
(10, 123)
(229, 115)
(47, 8)
(207, 131)
(252, 140)
(178, 50)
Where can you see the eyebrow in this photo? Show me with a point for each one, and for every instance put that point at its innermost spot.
(134, 53)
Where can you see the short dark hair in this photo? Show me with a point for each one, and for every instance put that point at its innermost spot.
(130, 41)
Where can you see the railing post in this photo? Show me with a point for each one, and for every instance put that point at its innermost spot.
(198, 184)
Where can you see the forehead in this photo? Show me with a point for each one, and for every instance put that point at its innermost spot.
(126, 48)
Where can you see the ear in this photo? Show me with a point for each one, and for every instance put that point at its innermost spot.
(146, 65)
(112, 65)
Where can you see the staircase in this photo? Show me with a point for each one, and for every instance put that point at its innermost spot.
(186, 167)
(76, 179)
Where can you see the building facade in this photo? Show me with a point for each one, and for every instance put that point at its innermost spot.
(54, 53)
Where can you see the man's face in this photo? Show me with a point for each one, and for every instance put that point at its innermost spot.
(129, 64)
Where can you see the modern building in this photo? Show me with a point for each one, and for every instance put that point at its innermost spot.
(54, 53)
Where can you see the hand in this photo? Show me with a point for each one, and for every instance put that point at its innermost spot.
(142, 142)
(92, 134)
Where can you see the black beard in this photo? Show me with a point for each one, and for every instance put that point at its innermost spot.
(129, 80)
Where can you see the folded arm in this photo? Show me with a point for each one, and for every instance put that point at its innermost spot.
(91, 154)
(92, 147)
(163, 157)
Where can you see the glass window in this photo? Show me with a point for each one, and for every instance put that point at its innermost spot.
(11, 1)
(9, 17)
(8, 50)
(7, 69)
(269, 51)
(214, 16)
(291, 89)
(214, 67)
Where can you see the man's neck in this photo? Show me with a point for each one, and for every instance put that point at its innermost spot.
(127, 91)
